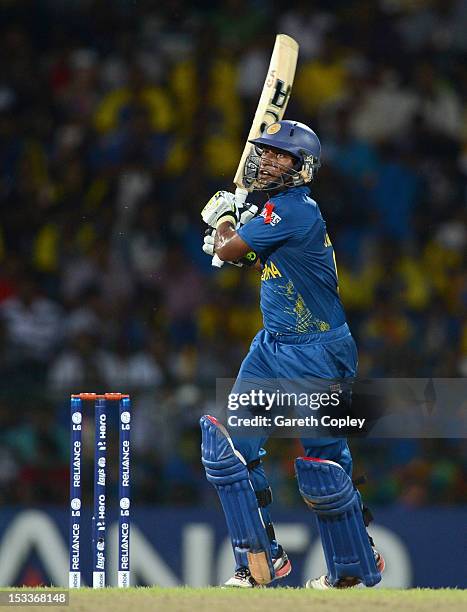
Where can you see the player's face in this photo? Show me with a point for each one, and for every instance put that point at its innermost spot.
(273, 163)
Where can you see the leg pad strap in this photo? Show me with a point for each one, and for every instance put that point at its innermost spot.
(264, 497)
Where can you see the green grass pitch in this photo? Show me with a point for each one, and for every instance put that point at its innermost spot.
(181, 599)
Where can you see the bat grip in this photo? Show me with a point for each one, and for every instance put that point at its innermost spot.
(240, 197)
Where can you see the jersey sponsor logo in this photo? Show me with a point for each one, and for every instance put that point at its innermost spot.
(269, 216)
(270, 270)
(269, 207)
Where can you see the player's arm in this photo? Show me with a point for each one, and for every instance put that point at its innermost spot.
(228, 245)
(250, 260)
(223, 214)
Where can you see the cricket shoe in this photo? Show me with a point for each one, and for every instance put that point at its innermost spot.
(322, 583)
(243, 578)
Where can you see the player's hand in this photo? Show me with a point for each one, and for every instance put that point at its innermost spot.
(222, 204)
(208, 245)
(247, 212)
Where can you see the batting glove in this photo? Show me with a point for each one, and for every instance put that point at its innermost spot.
(223, 207)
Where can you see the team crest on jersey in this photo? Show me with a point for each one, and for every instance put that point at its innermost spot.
(269, 215)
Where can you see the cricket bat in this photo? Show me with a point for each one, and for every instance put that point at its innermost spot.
(271, 106)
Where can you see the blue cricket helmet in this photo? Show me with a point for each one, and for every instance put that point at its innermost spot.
(294, 138)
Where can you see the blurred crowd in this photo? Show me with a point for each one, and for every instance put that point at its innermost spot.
(117, 123)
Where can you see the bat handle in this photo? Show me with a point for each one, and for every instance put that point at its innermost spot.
(240, 197)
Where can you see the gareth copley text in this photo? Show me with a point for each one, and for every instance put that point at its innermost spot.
(308, 421)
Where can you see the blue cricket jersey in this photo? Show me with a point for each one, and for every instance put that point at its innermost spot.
(299, 293)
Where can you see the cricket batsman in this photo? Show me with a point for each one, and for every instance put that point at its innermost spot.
(305, 335)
